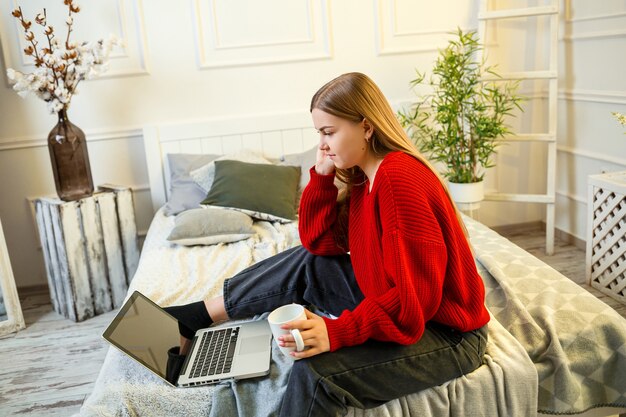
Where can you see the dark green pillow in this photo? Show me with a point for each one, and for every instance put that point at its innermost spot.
(263, 191)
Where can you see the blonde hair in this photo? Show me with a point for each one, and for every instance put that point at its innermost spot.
(354, 96)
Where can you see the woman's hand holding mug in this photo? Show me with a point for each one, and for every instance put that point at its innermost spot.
(298, 332)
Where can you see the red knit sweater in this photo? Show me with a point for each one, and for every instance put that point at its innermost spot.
(409, 254)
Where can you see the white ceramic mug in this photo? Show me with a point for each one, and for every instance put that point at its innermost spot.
(283, 315)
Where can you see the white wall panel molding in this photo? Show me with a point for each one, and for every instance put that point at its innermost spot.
(573, 197)
(569, 19)
(574, 10)
(595, 35)
(595, 96)
(35, 141)
(134, 38)
(586, 20)
(123, 18)
(414, 26)
(246, 32)
(582, 153)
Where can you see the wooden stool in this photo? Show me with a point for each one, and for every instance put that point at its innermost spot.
(90, 250)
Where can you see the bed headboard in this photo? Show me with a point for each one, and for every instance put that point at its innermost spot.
(273, 135)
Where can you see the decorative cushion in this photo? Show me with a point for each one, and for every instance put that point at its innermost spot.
(264, 191)
(204, 175)
(184, 192)
(208, 226)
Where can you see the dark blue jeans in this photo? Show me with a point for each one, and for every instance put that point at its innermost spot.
(363, 376)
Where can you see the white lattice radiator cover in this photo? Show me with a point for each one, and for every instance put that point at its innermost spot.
(606, 234)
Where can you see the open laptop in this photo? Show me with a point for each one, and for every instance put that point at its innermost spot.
(145, 332)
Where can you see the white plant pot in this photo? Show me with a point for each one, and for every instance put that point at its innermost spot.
(472, 192)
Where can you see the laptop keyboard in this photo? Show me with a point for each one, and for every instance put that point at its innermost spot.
(222, 345)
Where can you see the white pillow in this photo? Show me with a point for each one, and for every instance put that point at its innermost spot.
(205, 175)
(209, 226)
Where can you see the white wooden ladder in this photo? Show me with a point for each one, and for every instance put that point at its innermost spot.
(549, 198)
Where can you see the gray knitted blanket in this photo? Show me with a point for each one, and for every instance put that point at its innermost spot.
(577, 342)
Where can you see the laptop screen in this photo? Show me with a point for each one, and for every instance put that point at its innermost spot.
(144, 331)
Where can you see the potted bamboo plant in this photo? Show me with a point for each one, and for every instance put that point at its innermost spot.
(459, 123)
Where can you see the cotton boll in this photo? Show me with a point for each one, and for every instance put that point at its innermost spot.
(61, 94)
(14, 76)
(55, 106)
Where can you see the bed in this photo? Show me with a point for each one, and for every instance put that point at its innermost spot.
(553, 348)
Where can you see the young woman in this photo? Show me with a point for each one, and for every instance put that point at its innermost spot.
(389, 259)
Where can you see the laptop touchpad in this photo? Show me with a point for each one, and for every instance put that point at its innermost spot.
(254, 344)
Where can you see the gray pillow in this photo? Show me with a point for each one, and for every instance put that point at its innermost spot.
(209, 226)
(184, 192)
(305, 160)
(264, 191)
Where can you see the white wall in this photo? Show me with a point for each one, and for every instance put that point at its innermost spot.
(217, 58)
(593, 66)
